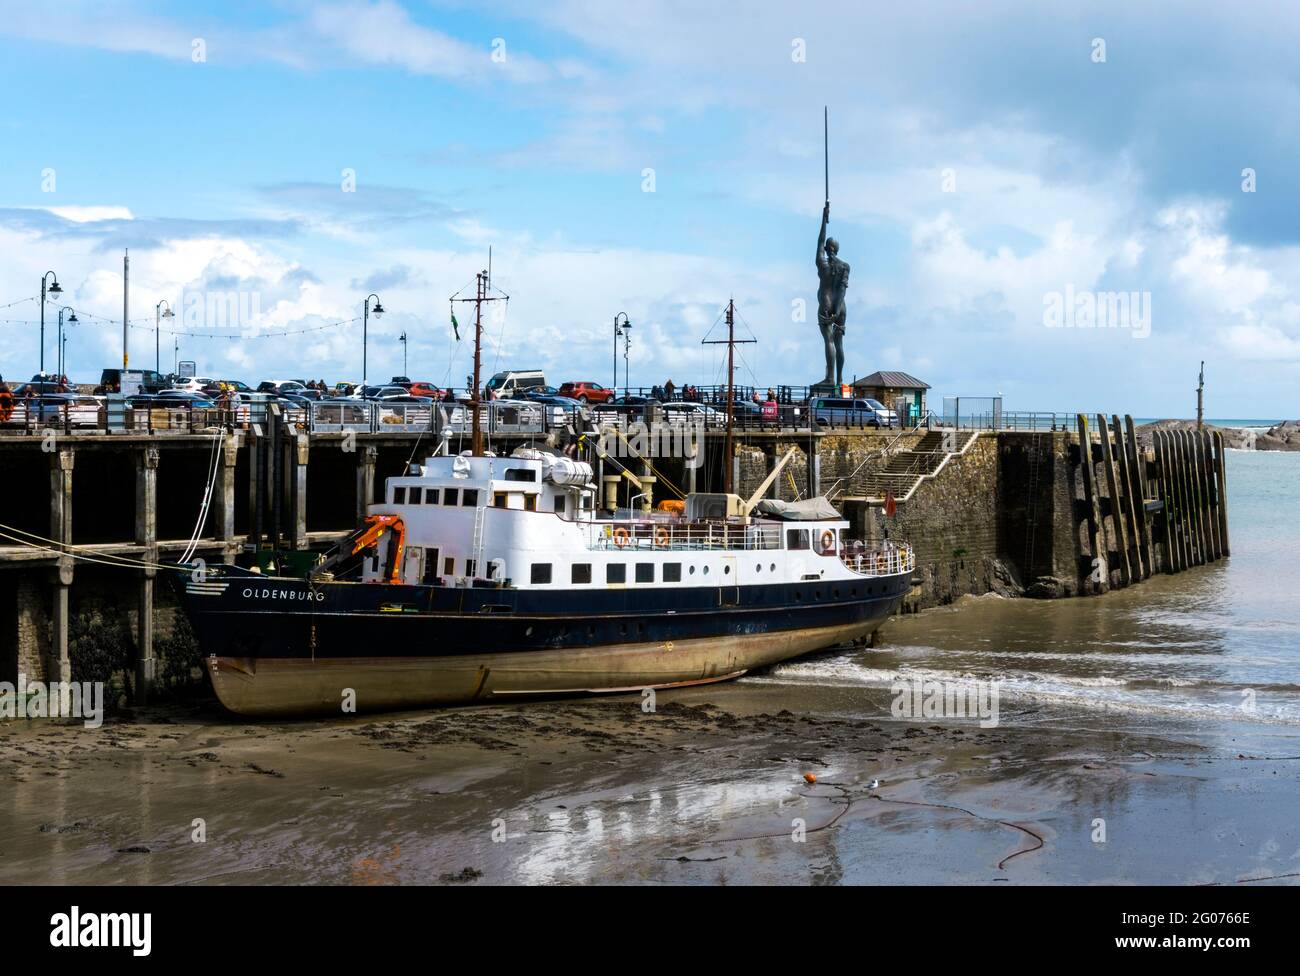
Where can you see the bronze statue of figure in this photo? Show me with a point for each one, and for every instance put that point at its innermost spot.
(833, 282)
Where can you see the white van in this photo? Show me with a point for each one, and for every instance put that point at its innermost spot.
(511, 383)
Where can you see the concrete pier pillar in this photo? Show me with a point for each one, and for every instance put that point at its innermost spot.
(814, 474)
(58, 667)
(224, 492)
(648, 482)
(366, 458)
(770, 457)
(299, 455)
(146, 535)
(256, 469)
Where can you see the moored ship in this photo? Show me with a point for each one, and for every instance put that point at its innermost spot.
(481, 577)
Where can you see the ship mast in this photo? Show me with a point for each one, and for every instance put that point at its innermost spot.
(730, 342)
(482, 285)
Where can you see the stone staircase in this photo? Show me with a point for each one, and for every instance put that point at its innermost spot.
(904, 470)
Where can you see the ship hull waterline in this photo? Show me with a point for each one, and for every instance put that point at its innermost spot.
(301, 686)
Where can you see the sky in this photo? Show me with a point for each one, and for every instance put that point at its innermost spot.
(1068, 205)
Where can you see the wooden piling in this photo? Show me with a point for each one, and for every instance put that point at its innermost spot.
(1198, 479)
(1137, 474)
(1129, 502)
(1096, 540)
(1184, 486)
(1161, 444)
(1211, 496)
(1116, 514)
(1221, 483)
(1180, 501)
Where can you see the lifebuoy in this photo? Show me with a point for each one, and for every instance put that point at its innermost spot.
(661, 536)
(621, 537)
(828, 541)
(6, 405)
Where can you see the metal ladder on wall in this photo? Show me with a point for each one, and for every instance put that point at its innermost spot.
(476, 544)
(1031, 516)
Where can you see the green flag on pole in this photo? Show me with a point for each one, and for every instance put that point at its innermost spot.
(455, 326)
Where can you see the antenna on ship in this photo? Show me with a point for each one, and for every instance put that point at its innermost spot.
(730, 343)
(482, 293)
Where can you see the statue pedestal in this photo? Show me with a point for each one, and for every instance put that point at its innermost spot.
(824, 389)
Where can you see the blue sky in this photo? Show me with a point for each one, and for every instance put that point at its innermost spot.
(983, 159)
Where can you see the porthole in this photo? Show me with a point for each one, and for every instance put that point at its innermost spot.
(726, 570)
(528, 632)
(591, 631)
(622, 629)
(773, 567)
(817, 594)
(706, 570)
(692, 570)
(797, 596)
(835, 593)
(758, 568)
(640, 627)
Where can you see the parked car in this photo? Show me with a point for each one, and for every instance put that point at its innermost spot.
(76, 409)
(193, 384)
(886, 416)
(377, 392)
(282, 386)
(217, 387)
(838, 412)
(425, 389)
(149, 381)
(514, 382)
(586, 391)
(697, 413)
(633, 400)
(174, 398)
(38, 388)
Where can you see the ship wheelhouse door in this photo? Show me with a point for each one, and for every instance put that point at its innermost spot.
(729, 584)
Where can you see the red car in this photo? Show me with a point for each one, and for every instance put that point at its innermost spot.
(426, 390)
(586, 392)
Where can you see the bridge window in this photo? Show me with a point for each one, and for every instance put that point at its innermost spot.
(431, 496)
(521, 474)
(672, 572)
(399, 495)
(451, 496)
(530, 503)
(449, 566)
(469, 497)
(541, 572)
(581, 573)
(615, 573)
(645, 572)
(499, 499)
(559, 504)
(796, 539)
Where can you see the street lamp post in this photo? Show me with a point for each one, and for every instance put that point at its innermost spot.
(72, 320)
(365, 326)
(402, 340)
(157, 358)
(54, 289)
(624, 331)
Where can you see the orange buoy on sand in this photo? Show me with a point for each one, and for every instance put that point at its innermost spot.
(810, 777)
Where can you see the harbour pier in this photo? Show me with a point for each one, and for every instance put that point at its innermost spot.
(93, 518)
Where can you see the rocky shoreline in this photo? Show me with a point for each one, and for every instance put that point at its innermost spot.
(1282, 437)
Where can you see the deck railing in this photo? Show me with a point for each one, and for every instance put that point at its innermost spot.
(655, 535)
(890, 561)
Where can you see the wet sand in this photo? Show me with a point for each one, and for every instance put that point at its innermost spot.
(709, 788)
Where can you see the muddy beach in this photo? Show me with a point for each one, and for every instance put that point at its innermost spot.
(710, 787)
